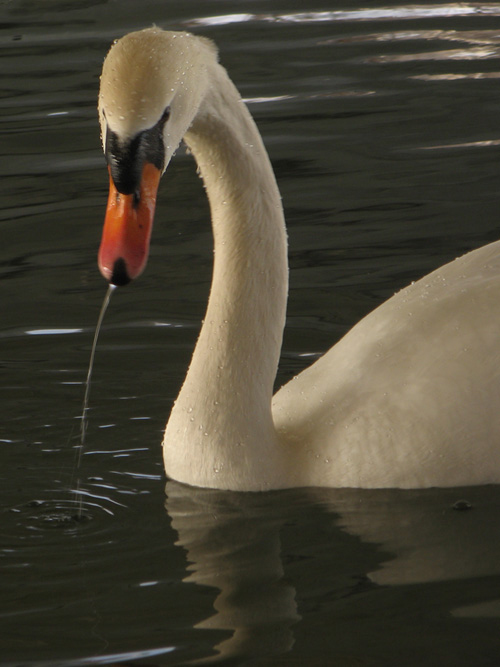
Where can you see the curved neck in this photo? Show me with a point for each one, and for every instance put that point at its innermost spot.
(228, 390)
(250, 276)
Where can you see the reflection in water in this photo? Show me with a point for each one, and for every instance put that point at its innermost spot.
(431, 536)
(423, 543)
(232, 546)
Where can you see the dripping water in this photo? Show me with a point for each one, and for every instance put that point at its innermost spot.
(85, 407)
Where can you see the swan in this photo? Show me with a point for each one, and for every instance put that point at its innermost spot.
(409, 398)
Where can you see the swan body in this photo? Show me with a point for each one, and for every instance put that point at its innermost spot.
(408, 398)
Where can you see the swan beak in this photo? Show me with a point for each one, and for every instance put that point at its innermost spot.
(127, 229)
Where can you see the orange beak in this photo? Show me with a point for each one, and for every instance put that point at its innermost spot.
(127, 229)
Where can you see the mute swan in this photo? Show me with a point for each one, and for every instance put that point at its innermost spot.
(410, 397)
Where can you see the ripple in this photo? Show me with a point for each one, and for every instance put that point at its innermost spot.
(61, 514)
(406, 12)
(77, 508)
(106, 659)
(472, 53)
(52, 332)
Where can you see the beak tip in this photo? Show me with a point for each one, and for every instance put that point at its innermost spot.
(116, 274)
(119, 276)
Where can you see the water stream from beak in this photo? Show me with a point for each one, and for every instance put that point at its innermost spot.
(85, 408)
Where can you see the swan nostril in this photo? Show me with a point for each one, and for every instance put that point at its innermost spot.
(120, 275)
(137, 198)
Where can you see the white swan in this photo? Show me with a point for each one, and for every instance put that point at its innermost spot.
(410, 397)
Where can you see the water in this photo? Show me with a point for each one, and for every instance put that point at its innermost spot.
(382, 125)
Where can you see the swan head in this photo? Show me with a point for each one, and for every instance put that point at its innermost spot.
(152, 85)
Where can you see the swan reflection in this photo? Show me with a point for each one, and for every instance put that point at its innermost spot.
(323, 572)
(234, 546)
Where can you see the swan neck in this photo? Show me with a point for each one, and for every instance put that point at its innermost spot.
(228, 390)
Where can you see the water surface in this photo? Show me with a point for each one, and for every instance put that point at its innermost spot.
(381, 121)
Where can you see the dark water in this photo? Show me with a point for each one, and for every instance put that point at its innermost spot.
(382, 122)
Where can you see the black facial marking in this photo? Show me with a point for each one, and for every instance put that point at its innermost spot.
(165, 117)
(126, 160)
